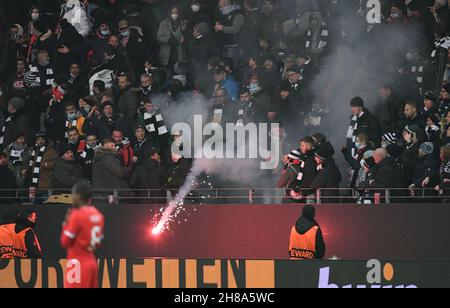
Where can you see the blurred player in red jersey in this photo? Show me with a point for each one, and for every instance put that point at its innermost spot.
(81, 236)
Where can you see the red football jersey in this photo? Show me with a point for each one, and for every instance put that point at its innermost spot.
(83, 233)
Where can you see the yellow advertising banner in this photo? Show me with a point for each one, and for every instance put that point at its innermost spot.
(145, 273)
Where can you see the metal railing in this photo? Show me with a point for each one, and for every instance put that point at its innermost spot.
(236, 195)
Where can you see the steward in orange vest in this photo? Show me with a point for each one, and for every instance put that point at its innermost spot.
(306, 241)
(18, 239)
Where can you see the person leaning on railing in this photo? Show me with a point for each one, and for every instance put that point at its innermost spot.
(388, 174)
(328, 177)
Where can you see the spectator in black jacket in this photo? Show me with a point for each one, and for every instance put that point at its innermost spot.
(362, 121)
(308, 171)
(143, 145)
(413, 137)
(127, 99)
(7, 181)
(390, 111)
(430, 105)
(198, 14)
(412, 116)
(433, 130)
(151, 176)
(71, 46)
(200, 51)
(388, 174)
(328, 176)
(15, 121)
(179, 168)
(426, 173)
(107, 122)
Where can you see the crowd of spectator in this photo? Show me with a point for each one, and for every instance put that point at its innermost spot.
(87, 85)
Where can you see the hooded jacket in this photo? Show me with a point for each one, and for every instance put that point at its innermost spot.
(303, 225)
(33, 247)
(107, 171)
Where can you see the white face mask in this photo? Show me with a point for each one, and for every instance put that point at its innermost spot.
(175, 16)
(195, 8)
(34, 17)
(226, 10)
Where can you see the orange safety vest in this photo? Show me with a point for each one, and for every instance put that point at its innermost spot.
(303, 246)
(12, 244)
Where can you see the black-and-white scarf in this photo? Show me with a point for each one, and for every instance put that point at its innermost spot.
(301, 171)
(16, 155)
(3, 130)
(322, 39)
(87, 155)
(418, 71)
(45, 78)
(154, 123)
(351, 135)
(35, 165)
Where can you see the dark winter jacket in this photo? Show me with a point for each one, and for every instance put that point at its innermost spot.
(103, 127)
(309, 170)
(427, 167)
(150, 175)
(417, 120)
(388, 175)
(8, 185)
(303, 225)
(18, 124)
(391, 113)
(128, 104)
(177, 173)
(409, 160)
(33, 248)
(107, 171)
(66, 174)
(328, 177)
(142, 149)
(200, 52)
(369, 124)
